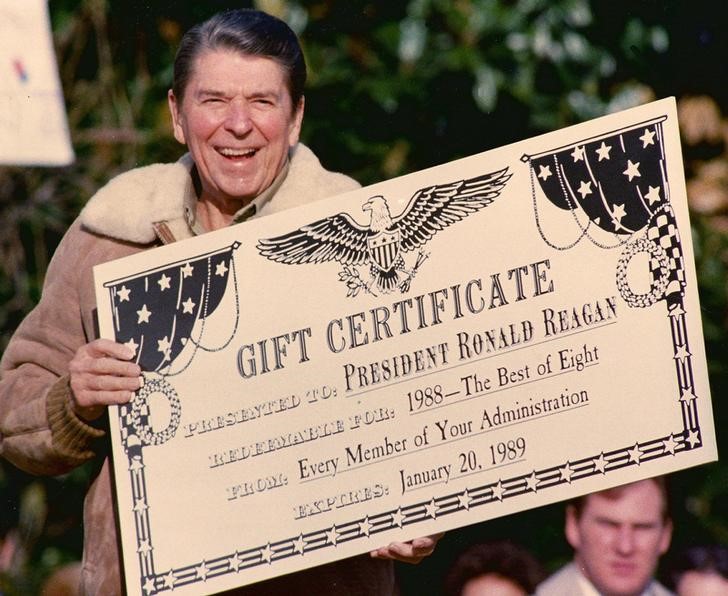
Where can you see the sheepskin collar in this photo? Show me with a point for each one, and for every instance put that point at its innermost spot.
(129, 206)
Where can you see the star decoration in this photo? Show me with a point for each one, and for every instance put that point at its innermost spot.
(266, 554)
(202, 571)
(431, 509)
(365, 526)
(647, 138)
(532, 482)
(681, 353)
(187, 270)
(164, 282)
(164, 346)
(397, 518)
(498, 491)
(235, 562)
(693, 439)
(169, 580)
(688, 396)
(136, 465)
(140, 505)
(124, 294)
(670, 445)
(632, 170)
(578, 154)
(332, 536)
(600, 463)
(144, 547)
(143, 315)
(566, 472)
(618, 213)
(221, 269)
(298, 544)
(676, 311)
(585, 188)
(188, 306)
(635, 454)
(544, 172)
(132, 345)
(603, 151)
(149, 585)
(464, 500)
(653, 195)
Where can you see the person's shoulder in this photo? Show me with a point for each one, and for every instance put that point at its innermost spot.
(307, 181)
(304, 162)
(126, 207)
(563, 581)
(657, 589)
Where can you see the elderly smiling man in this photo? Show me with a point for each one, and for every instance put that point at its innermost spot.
(618, 536)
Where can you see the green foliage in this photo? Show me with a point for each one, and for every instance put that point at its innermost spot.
(394, 87)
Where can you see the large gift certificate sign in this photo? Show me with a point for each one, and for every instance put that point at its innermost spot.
(479, 338)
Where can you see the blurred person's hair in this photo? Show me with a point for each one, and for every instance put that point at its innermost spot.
(711, 558)
(579, 503)
(502, 558)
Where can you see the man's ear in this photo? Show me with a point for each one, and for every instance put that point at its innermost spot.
(571, 527)
(174, 110)
(294, 131)
(666, 536)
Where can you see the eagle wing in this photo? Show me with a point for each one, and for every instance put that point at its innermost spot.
(334, 238)
(433, 208)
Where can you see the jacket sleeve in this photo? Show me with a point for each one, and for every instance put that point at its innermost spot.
(39, 432)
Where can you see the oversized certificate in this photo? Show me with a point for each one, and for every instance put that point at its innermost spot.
(479, 338)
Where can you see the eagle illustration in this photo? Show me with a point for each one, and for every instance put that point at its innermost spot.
(382, 243)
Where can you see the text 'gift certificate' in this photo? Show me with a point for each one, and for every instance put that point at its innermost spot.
(479, 338)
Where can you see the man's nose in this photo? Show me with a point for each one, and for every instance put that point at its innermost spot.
(237, 118)
(625, 541)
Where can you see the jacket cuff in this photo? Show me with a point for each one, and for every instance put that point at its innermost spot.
(69, 434)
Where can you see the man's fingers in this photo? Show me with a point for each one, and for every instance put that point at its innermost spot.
(105, 367)
(99, 348)
(102, 374)
(409, 552)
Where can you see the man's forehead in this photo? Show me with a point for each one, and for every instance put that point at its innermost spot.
(639, 501)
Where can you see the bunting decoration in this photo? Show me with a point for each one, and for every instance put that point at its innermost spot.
(160, 315)
(159, 312)
(615, 188)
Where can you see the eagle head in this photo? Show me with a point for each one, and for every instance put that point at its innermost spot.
(381, 219)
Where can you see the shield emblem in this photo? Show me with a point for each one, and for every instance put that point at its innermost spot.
(384, 249)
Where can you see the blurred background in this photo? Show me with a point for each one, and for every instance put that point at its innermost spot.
(394, 87)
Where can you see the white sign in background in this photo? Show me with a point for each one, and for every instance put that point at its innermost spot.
(33, 125)
(476, 339)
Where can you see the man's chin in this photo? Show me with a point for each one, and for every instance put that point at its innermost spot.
(622, 587)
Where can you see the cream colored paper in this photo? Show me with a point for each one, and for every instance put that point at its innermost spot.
(33, 125)
(296, 412)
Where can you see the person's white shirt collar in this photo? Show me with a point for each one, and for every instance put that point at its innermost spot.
(586, 588)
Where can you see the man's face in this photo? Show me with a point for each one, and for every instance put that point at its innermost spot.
(619, 537)
(237, 121)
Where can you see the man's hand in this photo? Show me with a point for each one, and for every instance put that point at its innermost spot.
(408, 552)
(100, 375)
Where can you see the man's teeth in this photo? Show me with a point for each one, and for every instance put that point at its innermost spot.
(237, 152)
